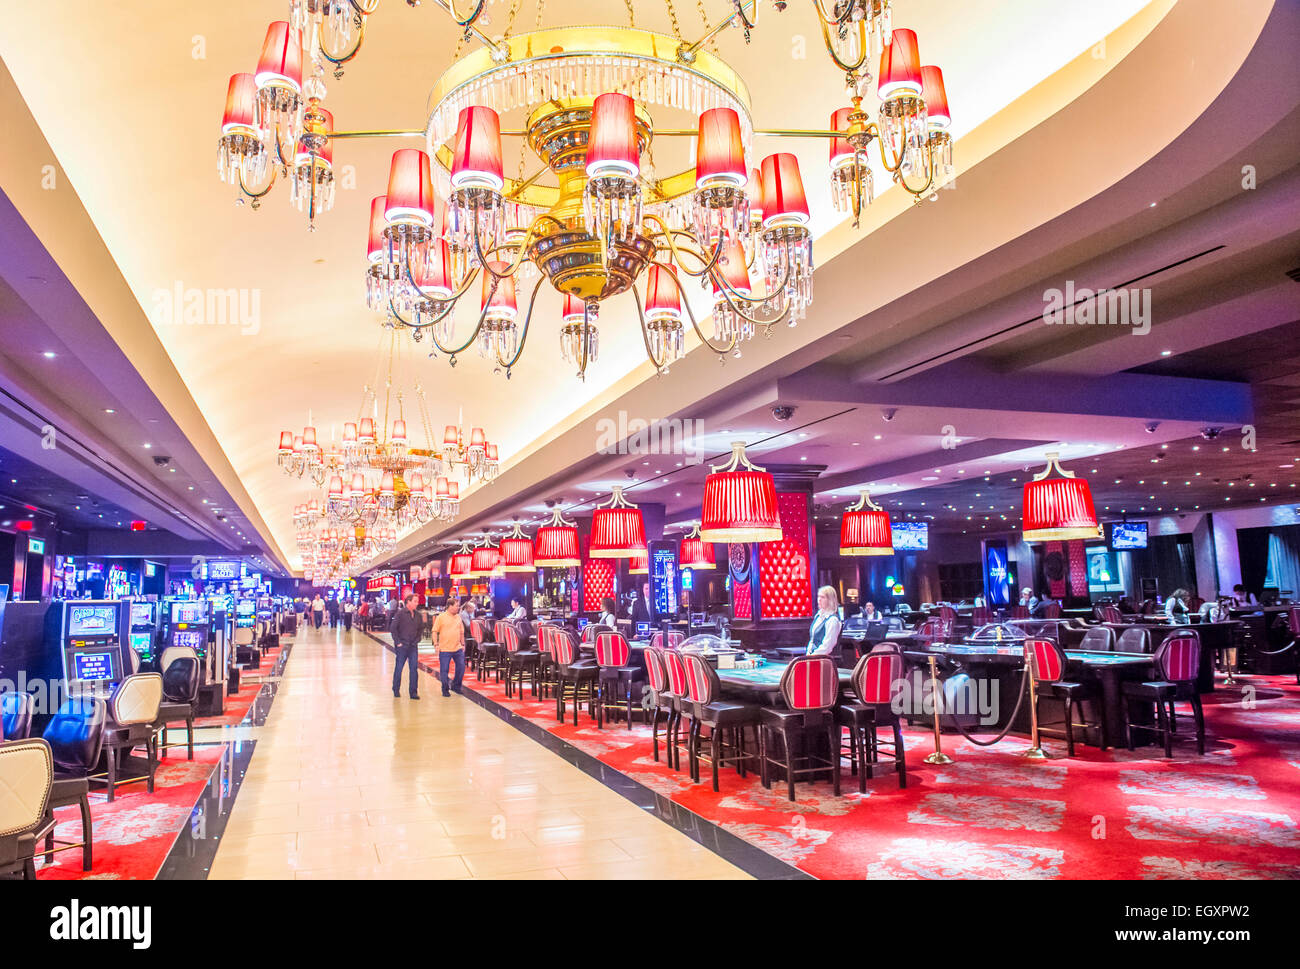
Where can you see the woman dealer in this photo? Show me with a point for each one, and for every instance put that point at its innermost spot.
(824, 633)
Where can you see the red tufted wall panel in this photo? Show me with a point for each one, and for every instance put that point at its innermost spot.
(1078, 571)
(597, 583)
(784, 566)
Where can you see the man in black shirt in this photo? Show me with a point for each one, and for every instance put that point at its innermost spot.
(641, 608)
(404, 628)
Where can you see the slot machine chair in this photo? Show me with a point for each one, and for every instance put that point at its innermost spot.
(26, 773)
(180, 694)
(15, 716)
(132, 714)
(75, 735)
(246, 654)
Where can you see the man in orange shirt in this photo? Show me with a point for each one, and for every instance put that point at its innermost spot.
(448, 636)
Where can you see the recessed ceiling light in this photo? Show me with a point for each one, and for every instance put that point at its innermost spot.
(48, 354)
(1165, 353)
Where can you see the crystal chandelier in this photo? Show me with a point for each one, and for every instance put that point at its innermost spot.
(597, 219)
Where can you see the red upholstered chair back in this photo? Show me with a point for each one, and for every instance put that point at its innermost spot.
(675, 666)
(931, 629)
(670, 640)
(1194, 604)
(1178, 658)
(1111, 614)
(612, 649)
(544, 633)
(875, 675)
(1052, 610)
(980, 616)
(1293, 620)
(1049, 659)
(478, 630)
(589, 633)
(654, 664)
(701, 680)
(811, 683)
(564, 646)
(508, 636)
(1020, 612)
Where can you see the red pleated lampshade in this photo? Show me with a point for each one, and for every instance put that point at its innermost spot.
(639, 564)
(663, 299)
(936, 97)
(866, 532)
(485, 560)
(281, 61)
(617, 533)
(697, 554)
(900, 66)
(841, 152)
(410, 188)
(241, 96)
(459, 565)
(720, 151)
(476, 162)
(556, 546)
(784, 201)
(611, 147)
(740, 506)
(517, 554)
(1058, 509)
(500, 304)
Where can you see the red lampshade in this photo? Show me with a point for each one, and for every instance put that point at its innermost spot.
(410, 188)
(453, 490)
(325, 153)
(281, 62)
(241, 98)
(733, 268)
(754, 192)
(443, 491)
(639, 564)
(476, 162)
(556, 545)
(399, 431)
(865, 530)
(386, 484)
(617, 533)
(349, 433)
(784, 202)
(500, 305)
(517, 554)
(490, 451)
(485, 560)
(611, 147)
(375, 239)
(309, 439)
(841, 153)
(286, 442)
(459, 565)
(437, 280)
(358, 485)
(451, 435)
(936, 97)
(415, 481)
(663, 299)
(1058, 509)
(900, 66)
(366, 433)
(575, 310)
(696, 553)
(740, 503)
(477, 437)
(719, 150)
(336, 486)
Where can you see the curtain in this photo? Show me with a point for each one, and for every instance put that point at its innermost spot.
(1284, 558)
(1252, 547)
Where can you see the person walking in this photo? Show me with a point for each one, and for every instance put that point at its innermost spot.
(449, 639)
(332, 607)
(318, 610)
(348, 609)
(404, 630)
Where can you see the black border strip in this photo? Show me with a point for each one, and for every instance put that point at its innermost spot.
(745, 856)
(195, 848)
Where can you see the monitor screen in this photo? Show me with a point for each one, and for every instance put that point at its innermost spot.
(911, 536)
(193, 638)
(244, 607)
(141, 613)
(98, 620)
(189, 611)
(95, 665)
(642, 630)
(584, 623)
(141, 642)
(1128, 535)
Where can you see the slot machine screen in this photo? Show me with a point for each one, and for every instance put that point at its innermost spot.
(194, 611)
(141, 613)
(142, 643)
(583, 623)
(244, 607)
(98, 665)
(196, 639)
(91, 620)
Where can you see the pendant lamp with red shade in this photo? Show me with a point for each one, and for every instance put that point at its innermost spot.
(617, 529)
(517, 552)
(865, 529)
(697, 554)
(740, 502)
(556, 544)
(1058, 509)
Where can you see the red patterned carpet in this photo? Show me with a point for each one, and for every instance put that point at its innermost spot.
(133, 835)
(1234, 813)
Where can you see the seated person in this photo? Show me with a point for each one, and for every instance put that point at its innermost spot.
(824, 633)
(606, 617)
(1028, 599)
(517, 610)
(1176, 607)
(1241, 598)
(869, 613)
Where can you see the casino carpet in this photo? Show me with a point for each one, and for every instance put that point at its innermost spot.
(133, 835)
(1234, 813)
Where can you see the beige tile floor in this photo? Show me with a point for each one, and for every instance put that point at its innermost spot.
(347, 782)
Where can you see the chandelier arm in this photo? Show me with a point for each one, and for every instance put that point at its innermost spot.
(255, 196)
(645, 333)
(345, 56)
(765, 324)
(465, 21)
(676, 254)
(365, 7)
(686, 51)
(778, 293)
(464, 287)
(523, 337)
(472, 28)
(929, 159)
(433, 335)
(518, 259)
(863, 45)
(686, 305)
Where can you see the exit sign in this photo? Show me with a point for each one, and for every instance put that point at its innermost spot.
(36, 546)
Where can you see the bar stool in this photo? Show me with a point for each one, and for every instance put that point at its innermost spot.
(1049, 668)
(615, 681)
(726, 721)
(517, 661)
(1178, 663)
(180, 693)
(546, 679)
(488, 650)
(576, 678)
(679, 693)
(810, 687)
(873, 681)
(659, 698)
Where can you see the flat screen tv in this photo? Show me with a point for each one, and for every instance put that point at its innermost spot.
(911, 536)
(1126, 535)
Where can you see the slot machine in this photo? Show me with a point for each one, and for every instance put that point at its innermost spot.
(245, 613)
(188, 626)
(86, 633)
(141, 628)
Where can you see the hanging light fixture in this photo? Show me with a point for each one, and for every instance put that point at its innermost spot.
(740, 502)
(1058, 509)
(460, 563)
(517, 552)
(695, 553)
(617, 529)
(556, 544)
(639, 564)
(865, 529)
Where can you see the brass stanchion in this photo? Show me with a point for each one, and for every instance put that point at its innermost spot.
(1035, 752)
(938, 757)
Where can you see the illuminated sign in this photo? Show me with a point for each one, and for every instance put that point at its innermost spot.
(380, 582)
(36, 546)
(223, 571)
